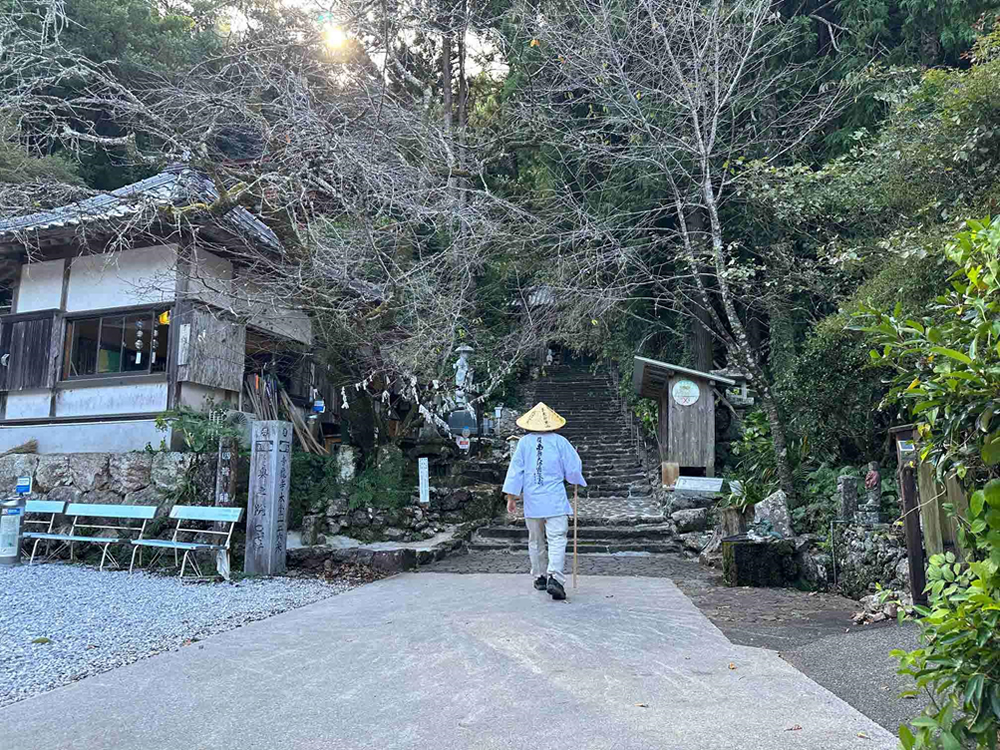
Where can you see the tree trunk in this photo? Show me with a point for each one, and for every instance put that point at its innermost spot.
(782, 460)
(702, 339)
(463, 84)
(446, 77)
(743, 348)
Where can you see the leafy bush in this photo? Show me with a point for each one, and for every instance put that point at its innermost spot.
(314, 482)
(946, 366)
(380, 485)
(201, 430)
(817, 503)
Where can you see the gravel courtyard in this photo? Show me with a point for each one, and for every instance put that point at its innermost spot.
(60, 623)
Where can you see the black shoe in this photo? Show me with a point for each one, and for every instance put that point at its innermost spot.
(555, 589)
(540, 583)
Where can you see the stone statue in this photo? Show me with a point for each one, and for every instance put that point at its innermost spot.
(463, 373)
(869, 512)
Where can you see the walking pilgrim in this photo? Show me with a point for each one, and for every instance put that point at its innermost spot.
(540, 467)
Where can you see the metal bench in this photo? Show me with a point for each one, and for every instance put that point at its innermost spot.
(223, 522)
(46, 512)
(82, 514)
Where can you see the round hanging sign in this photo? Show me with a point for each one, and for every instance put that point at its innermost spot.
(686, 392)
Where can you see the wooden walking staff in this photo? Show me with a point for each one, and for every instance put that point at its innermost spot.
(576, 523)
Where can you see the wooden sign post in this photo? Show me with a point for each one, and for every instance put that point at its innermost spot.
(906, 473)
(267, 504)
(225, 473)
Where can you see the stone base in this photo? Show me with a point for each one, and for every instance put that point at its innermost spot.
(747, 563)
(384, 561)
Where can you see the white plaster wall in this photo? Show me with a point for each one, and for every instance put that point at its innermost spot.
(131, 277)
(211, 279)
(93, 437)
(138, 398)
(40, 287)
(267, 315)
(28, 404)
(194, 395)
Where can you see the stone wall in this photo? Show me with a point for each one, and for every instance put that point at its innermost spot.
(138, 478)
(869, 556)
(471, 490)
(411, 523)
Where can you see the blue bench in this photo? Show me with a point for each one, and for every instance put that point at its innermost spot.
(223, 521)
(84, 515)
(40, 513)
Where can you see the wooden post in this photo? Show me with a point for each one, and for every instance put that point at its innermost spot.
(930, 495)
(225, 475)
(267, 504)
(907, 457)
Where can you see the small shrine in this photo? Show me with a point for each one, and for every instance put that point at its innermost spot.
(686, 415)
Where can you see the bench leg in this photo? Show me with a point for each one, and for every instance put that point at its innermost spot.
(184, 564)
(104, 556)
(132, 563)
(34, 549)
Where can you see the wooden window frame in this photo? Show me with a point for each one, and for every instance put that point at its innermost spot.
(79, 315)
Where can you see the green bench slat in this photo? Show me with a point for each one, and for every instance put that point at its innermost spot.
(206, 513)
(45, 506)
(169, 544)
(70, 538)
(95, 510)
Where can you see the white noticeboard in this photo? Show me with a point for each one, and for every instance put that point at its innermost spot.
(425, 482)
(686, 392)
(711, 485)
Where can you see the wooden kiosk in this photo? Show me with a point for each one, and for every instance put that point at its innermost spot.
(686, 415)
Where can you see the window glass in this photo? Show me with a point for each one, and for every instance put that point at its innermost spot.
(135, 348)
(160, 336)
(85, 335)
(109, 354)
(126, 343)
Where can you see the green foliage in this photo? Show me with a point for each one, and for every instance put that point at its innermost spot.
(816, 505)
(829, 390)
(18, 167)
(380, 486)
(947, 361)
(946, 376)
(201, 430)
(313, 483)
(756, 471)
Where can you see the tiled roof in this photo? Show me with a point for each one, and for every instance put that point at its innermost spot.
(172, 187)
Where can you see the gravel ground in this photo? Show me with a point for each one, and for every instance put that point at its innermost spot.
(96, 621)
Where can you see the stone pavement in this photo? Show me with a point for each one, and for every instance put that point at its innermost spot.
(456, 662)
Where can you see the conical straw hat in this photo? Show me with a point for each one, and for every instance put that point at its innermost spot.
(540, 419)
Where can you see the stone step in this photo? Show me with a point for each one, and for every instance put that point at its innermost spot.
(591, 547)
(603, 492)
(646, 532)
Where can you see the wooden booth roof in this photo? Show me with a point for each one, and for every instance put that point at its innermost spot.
(650, 377)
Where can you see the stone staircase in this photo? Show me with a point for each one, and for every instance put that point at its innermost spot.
(618, 512)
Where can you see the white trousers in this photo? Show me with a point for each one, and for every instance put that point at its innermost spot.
(547, 546)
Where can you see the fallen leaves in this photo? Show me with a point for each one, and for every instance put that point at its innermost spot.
(42, 639)
(642, 705)
(732, 666)
(795, 728)
(863, 736)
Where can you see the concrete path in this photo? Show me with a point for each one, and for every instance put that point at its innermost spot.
(457, 662)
